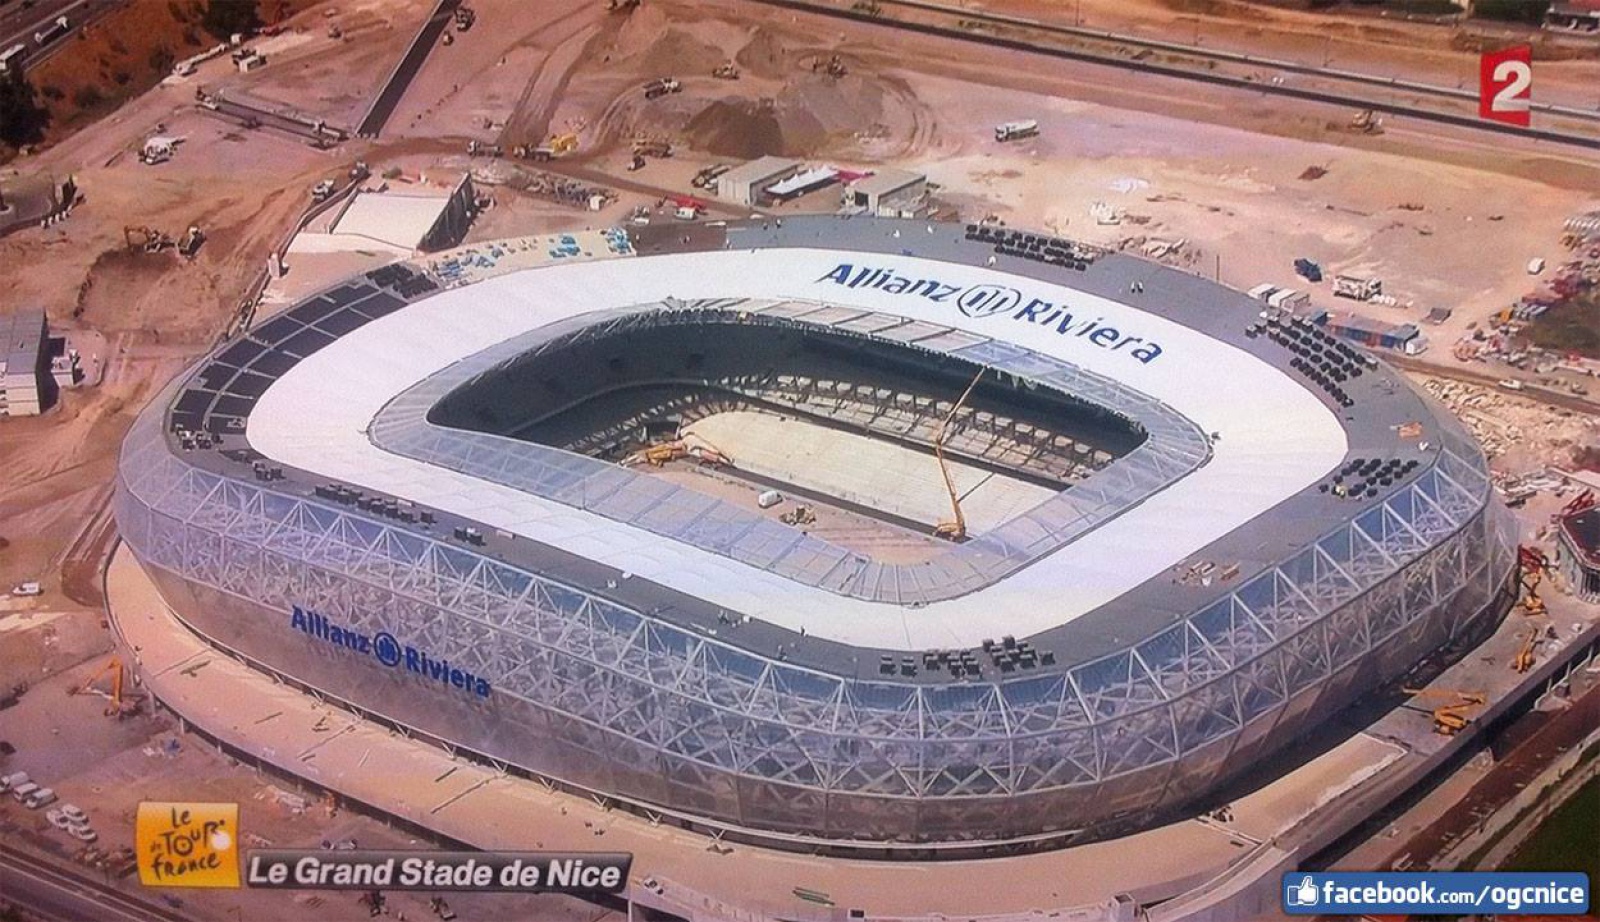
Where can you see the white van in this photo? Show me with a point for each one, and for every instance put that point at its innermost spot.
(23, 791)
(9, 782)
(39, 798)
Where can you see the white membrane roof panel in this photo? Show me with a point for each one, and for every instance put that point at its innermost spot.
(1273, 437)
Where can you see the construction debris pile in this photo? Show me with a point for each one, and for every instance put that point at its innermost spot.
(1576, 276)
(1573, 277)
(1502, 424)
(1517, 489)
(560, 189)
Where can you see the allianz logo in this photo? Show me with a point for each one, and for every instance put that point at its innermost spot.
(980, 301)
(388, 651)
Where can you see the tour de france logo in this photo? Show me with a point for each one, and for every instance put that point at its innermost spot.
(187, 845)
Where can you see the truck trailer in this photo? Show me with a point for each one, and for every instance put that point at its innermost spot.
(661, 86)
(1016, 131)
(51, 32)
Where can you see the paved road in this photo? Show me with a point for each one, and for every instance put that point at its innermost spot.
(18, 25)
(71, 895)
(601, 178)
(1556, 734)
(1348, 99)
(1220, 55)
(1543, 395)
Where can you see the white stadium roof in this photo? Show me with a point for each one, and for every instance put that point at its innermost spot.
(1272, 437)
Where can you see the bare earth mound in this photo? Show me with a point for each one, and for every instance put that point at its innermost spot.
(737, 128)
(647, 41)
(763, 55)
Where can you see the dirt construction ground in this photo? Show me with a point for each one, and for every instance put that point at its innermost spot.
(1240, 183)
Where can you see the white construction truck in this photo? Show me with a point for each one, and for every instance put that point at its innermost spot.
(1016, 131)
(661, 86)
(11, 58)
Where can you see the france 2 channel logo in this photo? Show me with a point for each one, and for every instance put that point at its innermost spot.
(1505, 85)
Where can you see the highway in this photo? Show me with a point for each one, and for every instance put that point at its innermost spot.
(71, 894)
(1346, 99)
(18, 24)
(1210, 54)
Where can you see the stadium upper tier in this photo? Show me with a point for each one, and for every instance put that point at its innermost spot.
(1260, 524)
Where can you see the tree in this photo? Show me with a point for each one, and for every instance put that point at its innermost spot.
(222, 18)
(1528, 11)
(22, 119)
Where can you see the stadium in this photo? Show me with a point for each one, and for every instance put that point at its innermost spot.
(858, 536)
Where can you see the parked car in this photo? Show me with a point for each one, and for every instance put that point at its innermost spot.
(82, 833)
(40, 797)
(10, 782)
(74, 815)
(58, 819)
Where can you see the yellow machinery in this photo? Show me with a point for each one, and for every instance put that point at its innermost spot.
(659, 455)
(800, 515)
(116, 706)
(1524, 659)
(701, 450)
(145, 238)
(956, 528)
(1450, 719)
(1366, 122)
(559, 145)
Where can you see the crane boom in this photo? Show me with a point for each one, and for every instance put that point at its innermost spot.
(956, 528)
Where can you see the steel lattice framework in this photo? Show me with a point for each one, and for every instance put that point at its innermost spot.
(624, 703)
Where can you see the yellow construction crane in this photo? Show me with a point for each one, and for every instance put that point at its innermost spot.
(1450, 719)
(956, 528)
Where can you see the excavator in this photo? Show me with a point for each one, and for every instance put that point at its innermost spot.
(116, 704)
(145, 238)
(956, 528)
(1450, 719)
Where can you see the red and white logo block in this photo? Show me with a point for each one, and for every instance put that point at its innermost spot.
(1505, 85)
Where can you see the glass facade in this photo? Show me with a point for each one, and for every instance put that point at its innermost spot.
(626, 704)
